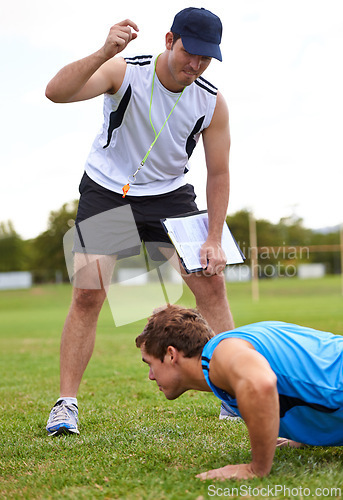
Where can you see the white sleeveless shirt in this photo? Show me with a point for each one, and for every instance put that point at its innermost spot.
(126, 134)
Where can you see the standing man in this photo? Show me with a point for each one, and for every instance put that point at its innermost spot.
(155, 109)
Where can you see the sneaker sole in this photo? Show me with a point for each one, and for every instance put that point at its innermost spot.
(63, 431)
(228, 417)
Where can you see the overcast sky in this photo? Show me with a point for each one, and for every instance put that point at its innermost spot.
(281, 76)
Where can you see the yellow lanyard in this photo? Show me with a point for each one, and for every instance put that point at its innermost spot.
(127, 186)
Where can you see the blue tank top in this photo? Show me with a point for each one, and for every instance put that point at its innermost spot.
(309, 367)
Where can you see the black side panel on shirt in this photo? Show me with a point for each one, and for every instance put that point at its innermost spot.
(116, 117)
(288, 402)
(190, 144)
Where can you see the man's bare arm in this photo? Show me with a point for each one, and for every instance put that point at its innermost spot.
(97, 73)
(216, 139)
(241, 371)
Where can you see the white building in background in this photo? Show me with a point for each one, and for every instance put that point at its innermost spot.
(15, 280)
(306, 271)
(241, 272)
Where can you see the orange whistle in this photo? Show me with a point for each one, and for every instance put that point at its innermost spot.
(125, 189)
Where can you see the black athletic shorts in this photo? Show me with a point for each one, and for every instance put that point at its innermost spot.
(108, 224)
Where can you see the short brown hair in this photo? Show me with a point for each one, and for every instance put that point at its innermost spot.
(173, 325)
(176, 37)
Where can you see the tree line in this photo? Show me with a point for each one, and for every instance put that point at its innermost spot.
(278, 243)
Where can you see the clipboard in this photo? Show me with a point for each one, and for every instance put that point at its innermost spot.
(188, 232)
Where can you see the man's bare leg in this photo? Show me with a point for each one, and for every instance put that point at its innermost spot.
(78, 338)
(209, 292)
(211, 300)
(91, 282)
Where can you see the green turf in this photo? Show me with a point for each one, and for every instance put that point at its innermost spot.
(134, 444)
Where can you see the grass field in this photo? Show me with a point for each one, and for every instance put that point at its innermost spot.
(134, 444)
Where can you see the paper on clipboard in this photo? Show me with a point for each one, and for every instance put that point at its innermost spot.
(188, 232)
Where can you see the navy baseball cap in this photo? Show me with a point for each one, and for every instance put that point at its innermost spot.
(200, 31)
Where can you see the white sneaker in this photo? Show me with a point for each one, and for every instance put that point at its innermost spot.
(63, 419)
(227, 412)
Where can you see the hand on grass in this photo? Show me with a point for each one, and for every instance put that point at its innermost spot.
(239, 471)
